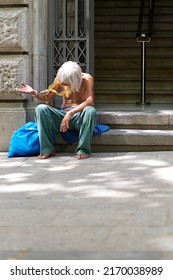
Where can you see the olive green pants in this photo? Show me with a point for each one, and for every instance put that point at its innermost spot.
(49, 120)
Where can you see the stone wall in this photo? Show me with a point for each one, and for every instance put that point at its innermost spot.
(23, 57)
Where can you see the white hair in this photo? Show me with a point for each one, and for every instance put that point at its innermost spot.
(70, 73)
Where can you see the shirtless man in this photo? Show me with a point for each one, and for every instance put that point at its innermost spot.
(77, 110)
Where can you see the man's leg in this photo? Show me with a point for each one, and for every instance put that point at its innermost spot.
(48, 122)
(87, 123)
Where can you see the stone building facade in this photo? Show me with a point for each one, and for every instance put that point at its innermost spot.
(23, 57)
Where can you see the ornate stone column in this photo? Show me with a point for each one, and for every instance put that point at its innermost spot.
(23, 57)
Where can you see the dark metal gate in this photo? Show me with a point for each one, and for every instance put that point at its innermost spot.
(70, 34)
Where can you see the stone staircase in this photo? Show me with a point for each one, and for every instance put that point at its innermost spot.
(132, 130)
(117, 53)
(117, 79)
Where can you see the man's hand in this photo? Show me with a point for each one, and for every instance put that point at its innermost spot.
(26, 89)
(65, 122)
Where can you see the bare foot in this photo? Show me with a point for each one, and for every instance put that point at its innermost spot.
(82, 156)
(45, 156)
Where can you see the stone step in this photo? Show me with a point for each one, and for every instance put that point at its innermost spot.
(132, 96)
(154, 119)
(134, 63)
(135, 137)
(132, 52)
(135, 130)
(130, 42)
(132, 3)
(126, 140)
(114, 26)
(116, 74)
(158, 18)
(123, 11)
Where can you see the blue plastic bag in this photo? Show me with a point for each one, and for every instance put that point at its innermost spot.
(24, 141)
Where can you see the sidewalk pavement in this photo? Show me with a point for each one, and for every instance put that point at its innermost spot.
(109, 206)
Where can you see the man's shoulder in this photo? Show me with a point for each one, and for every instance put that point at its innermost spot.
(87, 76)
(89, 80)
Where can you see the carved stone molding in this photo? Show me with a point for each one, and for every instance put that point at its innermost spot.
(12, 68)
(13, 30)
(14, 3)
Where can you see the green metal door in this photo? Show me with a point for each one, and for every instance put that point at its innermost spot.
(70, 34)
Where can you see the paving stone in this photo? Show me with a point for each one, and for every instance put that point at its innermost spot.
(109, 206)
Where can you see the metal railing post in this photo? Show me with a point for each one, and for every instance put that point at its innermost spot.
(144, 37)
(143, 40)
(143, 71)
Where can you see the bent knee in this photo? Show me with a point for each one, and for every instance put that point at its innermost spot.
(90, 110)
(41, 108)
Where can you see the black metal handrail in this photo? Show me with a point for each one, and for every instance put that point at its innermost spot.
(151, 5)
(144, 36)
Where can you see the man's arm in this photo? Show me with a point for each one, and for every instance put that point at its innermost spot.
(40, 96)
